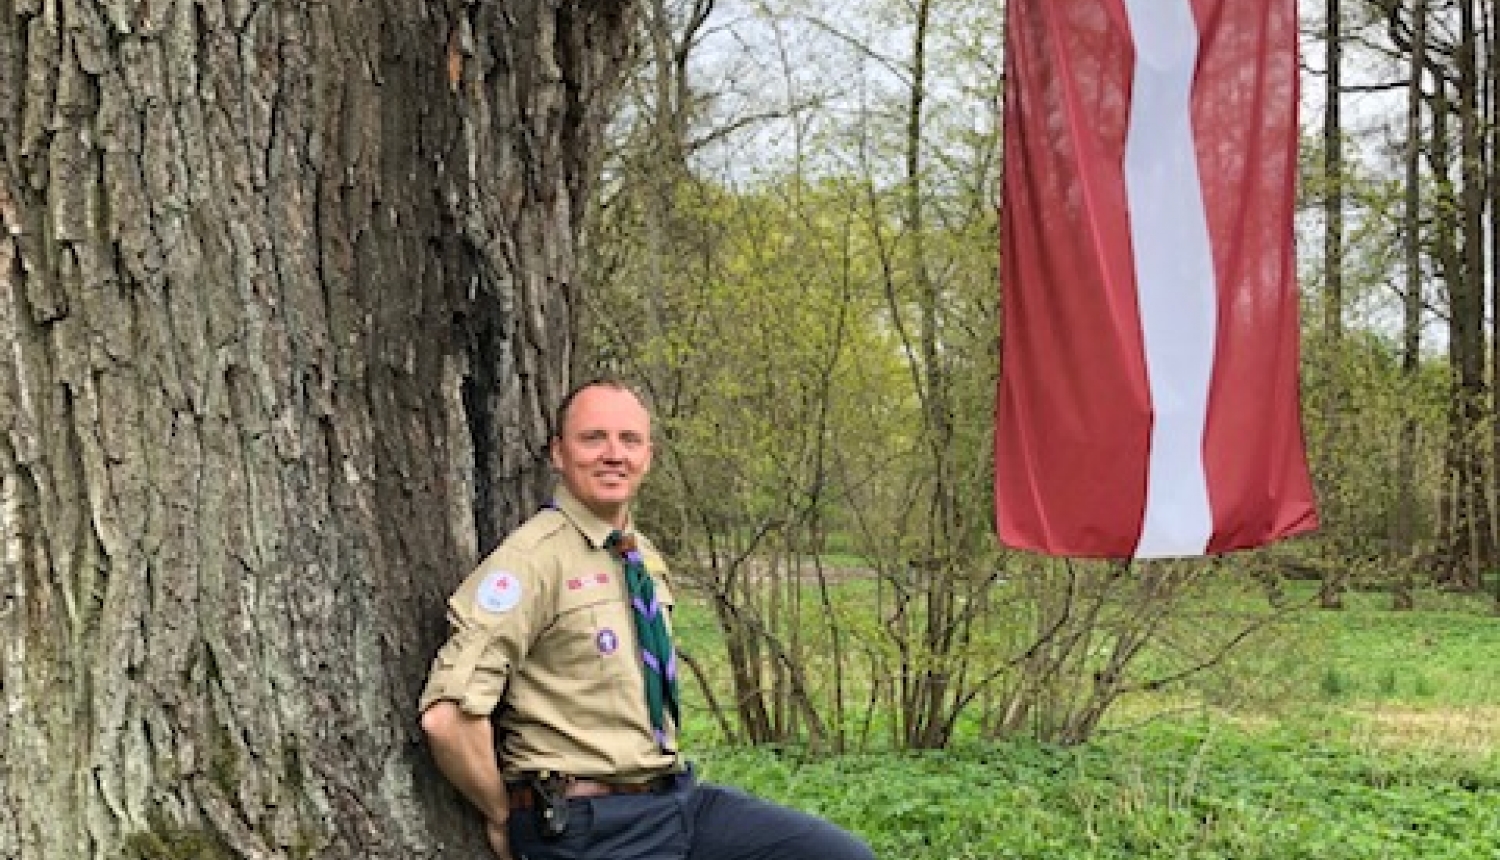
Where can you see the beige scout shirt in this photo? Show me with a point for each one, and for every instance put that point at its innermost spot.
(543, 630)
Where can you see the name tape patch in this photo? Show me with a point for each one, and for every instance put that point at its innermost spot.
(578, 583)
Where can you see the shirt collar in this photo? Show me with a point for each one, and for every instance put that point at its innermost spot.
(585, 520)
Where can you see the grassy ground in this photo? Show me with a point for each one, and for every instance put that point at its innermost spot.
(1382, 741)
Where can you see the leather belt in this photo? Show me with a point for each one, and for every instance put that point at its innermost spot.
(523, 797)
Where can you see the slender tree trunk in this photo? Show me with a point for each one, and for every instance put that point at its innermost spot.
(1471, 541)
(1331, 592)
(931, 687)
(1444, 251)
(286, 292)
(1492, 149)
(1411, 336)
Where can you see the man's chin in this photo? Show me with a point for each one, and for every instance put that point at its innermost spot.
(609, 502)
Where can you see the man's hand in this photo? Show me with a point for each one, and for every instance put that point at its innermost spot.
(464, 748)
(499, 839)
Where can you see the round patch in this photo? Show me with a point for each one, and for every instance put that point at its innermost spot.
(499, 592)
(607, 641)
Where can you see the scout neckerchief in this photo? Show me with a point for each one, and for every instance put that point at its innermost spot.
(651, 629)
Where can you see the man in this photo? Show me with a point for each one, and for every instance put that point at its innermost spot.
(553, 638)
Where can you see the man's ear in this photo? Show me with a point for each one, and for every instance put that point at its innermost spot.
(552, 446)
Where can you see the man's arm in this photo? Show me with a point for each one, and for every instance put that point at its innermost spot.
(463, 746)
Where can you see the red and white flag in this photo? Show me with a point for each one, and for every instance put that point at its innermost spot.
(1148, 401)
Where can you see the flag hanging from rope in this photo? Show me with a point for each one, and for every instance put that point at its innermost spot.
(1148, 399)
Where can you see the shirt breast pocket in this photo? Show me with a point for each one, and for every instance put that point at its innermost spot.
(592, 637)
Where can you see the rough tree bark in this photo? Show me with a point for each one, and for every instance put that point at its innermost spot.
(285, 299)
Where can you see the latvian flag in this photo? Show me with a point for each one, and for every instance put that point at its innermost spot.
(1148, 400)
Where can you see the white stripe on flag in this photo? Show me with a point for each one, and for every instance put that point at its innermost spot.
(1174, 275)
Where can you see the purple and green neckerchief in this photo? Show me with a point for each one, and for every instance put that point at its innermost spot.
(651, 628)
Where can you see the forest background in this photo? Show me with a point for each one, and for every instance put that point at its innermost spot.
(291, 290)
(806, 285)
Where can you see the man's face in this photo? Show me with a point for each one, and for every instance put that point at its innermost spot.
(603, 450)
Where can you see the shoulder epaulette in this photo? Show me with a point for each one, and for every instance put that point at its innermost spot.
(535, 531)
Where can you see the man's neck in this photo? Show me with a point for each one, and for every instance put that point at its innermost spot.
(614, 516)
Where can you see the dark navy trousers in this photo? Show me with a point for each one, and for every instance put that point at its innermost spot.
(689, 821)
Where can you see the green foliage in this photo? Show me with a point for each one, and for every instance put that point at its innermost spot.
(1316, 778)
(1094, 638)
(1358, 402)
(1441, 654)
(795, 403)
(819, 337)
(820, 346)
(1169, 791)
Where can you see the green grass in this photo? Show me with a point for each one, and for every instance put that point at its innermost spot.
(1172, 791)
(1445, 658)
(1381, 741)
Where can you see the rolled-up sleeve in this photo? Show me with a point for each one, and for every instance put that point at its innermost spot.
(487, 639)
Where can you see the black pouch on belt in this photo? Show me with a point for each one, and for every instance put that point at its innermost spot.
(551, 808)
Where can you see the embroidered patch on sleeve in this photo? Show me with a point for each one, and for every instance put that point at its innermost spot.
(499, 592)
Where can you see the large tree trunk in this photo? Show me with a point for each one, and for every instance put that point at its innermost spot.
(285, 297)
